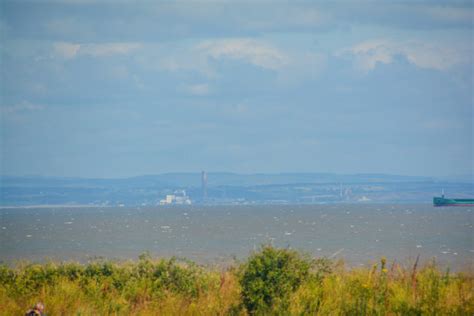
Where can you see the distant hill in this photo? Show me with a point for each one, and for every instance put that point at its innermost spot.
(214, 178)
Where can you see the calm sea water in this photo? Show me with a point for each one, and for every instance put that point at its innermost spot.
(358, 233)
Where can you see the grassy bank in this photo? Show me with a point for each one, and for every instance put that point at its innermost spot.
(271, 282)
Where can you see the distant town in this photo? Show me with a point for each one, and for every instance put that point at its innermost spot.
(205, 188)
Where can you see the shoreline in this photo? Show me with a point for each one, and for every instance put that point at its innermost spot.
(231, 260)
(252, 204)
(55, 206)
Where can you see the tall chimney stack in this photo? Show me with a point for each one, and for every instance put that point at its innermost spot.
(204, 185)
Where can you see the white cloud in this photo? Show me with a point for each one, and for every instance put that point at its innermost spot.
(198, 57)
(186, 60)
(421, 54)
(437, 56)
(198, 89)
(290, 65)
(98, 50)
(66, 50)
(252, 51)
(23, 106)
(369, 53)
(71, 50)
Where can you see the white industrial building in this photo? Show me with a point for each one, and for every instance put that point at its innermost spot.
(178, 198)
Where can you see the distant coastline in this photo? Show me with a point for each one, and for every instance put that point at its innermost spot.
(222, 188)
(54, 206)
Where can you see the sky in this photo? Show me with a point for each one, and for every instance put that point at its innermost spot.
(112, 89)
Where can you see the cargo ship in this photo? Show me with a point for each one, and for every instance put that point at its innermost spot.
(442, 201)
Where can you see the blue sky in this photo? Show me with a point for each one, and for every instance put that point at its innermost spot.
(124, 88)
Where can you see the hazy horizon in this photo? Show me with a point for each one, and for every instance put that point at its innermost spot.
(198, 172)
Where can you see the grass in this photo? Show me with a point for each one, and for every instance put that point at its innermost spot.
(271, 282)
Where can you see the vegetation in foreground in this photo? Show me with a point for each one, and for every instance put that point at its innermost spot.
(271, 282)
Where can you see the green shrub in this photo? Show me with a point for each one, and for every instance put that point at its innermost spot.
(7, 276)
(270, 277)
(32, 277)
(270, 282)
(72, 271)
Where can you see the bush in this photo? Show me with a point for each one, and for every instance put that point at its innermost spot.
(270, 282)
(270, 277)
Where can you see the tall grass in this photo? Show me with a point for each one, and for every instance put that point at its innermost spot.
(271, 282)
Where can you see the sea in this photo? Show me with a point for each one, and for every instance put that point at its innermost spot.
(358, 234)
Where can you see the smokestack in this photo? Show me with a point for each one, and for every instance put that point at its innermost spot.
(204, 184)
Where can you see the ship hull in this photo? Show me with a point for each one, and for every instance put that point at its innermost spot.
(441, 201)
